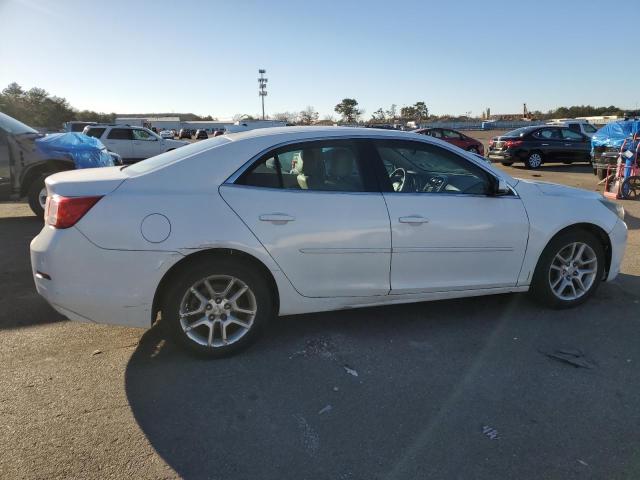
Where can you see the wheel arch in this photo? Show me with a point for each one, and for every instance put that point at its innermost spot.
(37, 169)
(183, 263)
(595, 230)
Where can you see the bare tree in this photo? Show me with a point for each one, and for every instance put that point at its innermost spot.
(308, 116)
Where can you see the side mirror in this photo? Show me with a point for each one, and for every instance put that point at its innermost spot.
(503, 187)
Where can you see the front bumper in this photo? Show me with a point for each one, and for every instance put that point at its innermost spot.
(618, 237)
(87, 283)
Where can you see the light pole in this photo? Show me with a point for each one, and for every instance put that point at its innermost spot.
(262, 87)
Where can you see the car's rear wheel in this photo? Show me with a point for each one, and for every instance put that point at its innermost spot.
(37, 196)
(569, 269)
(534, 160)
(217, 307)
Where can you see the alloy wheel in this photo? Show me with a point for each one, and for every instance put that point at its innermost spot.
(535, 160)
(573, 271)
(217, 311)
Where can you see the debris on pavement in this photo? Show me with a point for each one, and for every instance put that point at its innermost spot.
(582, 462)
(96, 352)
(490, 432)
(326, 409)
(570, 356)
(350, 370)
(335, 389)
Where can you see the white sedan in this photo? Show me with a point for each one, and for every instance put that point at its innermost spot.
(218, 237)
(166, 134)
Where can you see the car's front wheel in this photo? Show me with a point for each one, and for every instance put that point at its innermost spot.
(217, 307)
(569, 269)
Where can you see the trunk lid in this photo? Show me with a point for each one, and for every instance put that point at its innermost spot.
(85, 182)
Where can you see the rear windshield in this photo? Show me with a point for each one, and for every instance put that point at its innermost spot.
(95, 132)
(167, 158)
(518, 132)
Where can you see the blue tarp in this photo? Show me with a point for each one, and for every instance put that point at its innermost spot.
(613, 134)
(85, 151)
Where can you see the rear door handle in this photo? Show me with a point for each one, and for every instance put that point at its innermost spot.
(276, 218)
(413, 219)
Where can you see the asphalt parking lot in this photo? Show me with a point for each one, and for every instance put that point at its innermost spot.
(492, 387)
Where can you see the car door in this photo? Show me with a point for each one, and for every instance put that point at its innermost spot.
(145, 144)
(576, 145)
(449, 232)
(120, 140)
(325, 223)
(549, 141)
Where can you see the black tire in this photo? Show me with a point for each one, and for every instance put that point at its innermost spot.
(192, 273)
(33, 196)
(567, 162)
(507, 164)
(534, 160)
(540, 286)
(601, 173)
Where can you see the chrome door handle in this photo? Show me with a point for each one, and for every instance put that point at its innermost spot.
(276, 218)
(413, 220)
(545, 144)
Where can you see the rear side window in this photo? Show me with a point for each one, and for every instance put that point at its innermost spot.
(574, 126)
(571, 135)
(317, 166)
(547, 134)
(451, 134)
(120, 134)
(95, 132)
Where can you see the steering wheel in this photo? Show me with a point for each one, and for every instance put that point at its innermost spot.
(398, 178)
(435, 183)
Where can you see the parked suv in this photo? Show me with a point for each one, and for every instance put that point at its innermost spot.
(540, 144)
(580, 126)
(27, 157)
(132, 143)
(455, 138)
(201, 134)
(184, 133)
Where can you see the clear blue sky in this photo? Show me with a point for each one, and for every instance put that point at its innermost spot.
(203, 57)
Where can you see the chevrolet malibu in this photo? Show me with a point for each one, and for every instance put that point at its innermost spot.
(217, 238)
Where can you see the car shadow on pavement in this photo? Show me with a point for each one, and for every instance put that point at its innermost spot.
(20, 304)
(387, 391)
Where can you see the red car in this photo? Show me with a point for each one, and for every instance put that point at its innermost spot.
(454, 137)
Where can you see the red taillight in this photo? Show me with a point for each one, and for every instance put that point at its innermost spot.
(491, 142)
(64, 212)
(512, 143)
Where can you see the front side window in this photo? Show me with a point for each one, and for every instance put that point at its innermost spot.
(423, 168)
(139, 134)
(120, 134)
(588, 128)
(316, 166)
(435, 133)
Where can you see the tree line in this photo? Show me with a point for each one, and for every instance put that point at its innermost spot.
(38, 108)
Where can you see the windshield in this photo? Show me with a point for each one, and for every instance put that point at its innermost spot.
(172, 156)
(11, 125)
